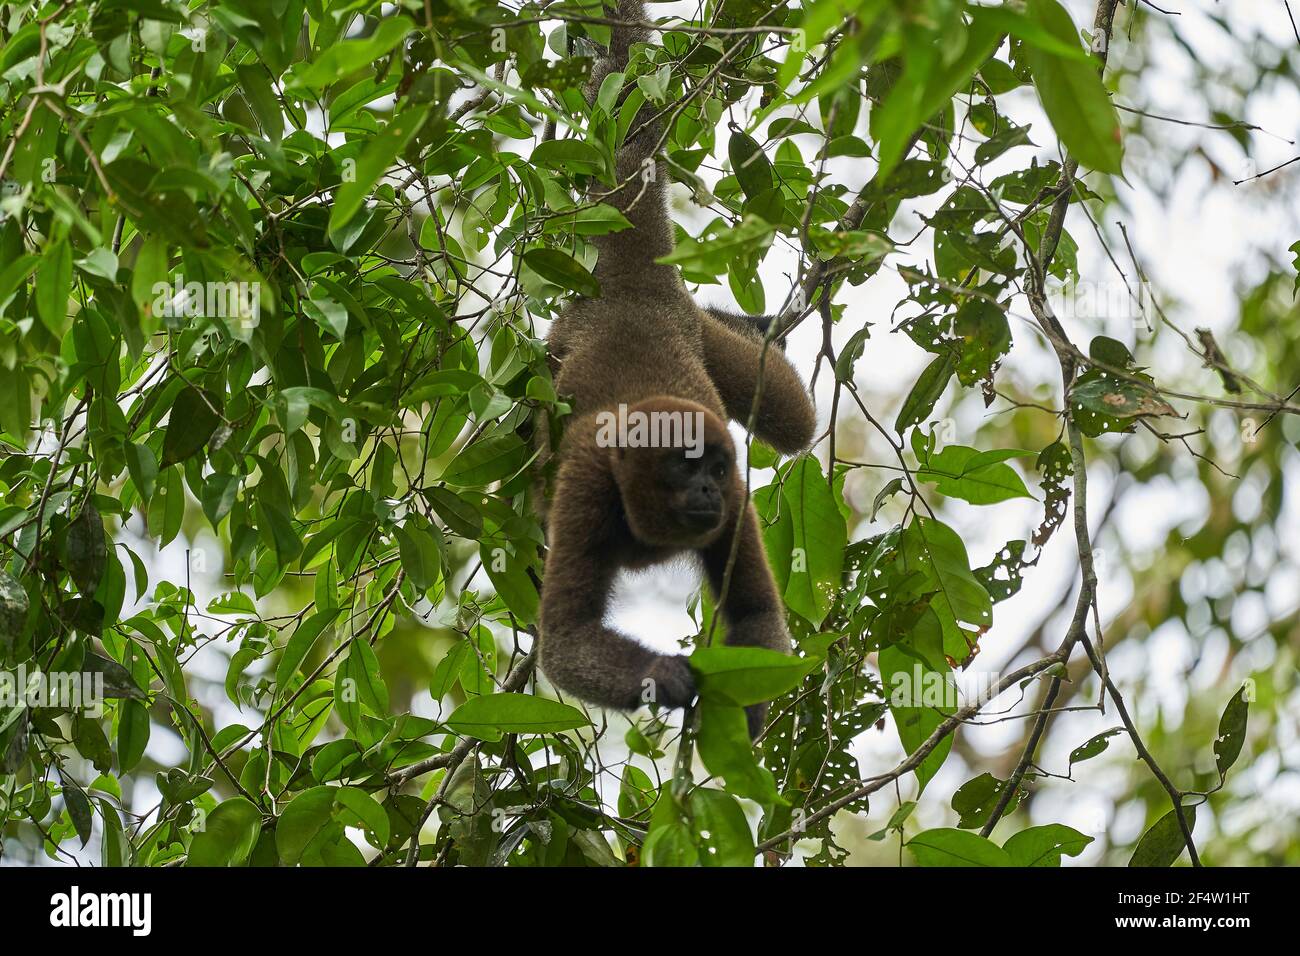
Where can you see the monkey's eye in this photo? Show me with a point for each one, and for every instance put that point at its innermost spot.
(719, 470)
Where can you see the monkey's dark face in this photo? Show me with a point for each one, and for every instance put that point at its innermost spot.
(680, 496)
(697, 490)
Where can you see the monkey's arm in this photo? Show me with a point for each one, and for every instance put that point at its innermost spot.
(579, 653)
(786, 419)
(752, 608)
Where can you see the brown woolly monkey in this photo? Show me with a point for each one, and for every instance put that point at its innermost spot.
(644, 350)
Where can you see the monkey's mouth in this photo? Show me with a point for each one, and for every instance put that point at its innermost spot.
(702, 519)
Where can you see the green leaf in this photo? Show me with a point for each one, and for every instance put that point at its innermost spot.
(721, 831)
(14, 605)
(597, 220)
(53, 285)
(167, 508)
(328, 314)
(118, 682)
(508, 572)
(448, 669)
(670, 845)
(490, 716)
(143, 468)
(947, 846)
(817, 538)
(459, 514)
(99, 262)
(563, 270)
(723, 742)
(1045, 845)
(359, 684)
(194, 417)
(1118, 398)
(420, 558)
(1232, 731)
(569, 155)
(961, 472)
(925, 393)
(376, 158)
(302, 641)
(357, 808)
(307, 817)
(79, 809)
(636, 792)
(487, 460)
(939, 551)
(229, 833)
(341, 58)
(1072, 94)
(720, 245)
(232, 602)
(132, 735)
(85, 552)
(1094, 746)
(255, 84)
(749, 163)
(1163, 843)
(741, 676)
(975, 799)
(908, 677)
(15, 402)
(179, 787)
(927, 84)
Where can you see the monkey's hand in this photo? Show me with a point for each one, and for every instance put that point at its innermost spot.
(674, 684)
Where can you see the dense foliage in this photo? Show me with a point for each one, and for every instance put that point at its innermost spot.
(274, 283)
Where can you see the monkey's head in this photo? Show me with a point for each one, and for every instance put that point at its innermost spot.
(675, 465)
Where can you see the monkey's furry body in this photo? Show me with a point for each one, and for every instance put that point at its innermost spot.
(646, 345)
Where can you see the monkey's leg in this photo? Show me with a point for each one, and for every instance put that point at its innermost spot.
(753, 326)
(786, 419)
(751, 606)
(578, 652)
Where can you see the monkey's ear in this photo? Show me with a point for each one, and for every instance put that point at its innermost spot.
(617, 456)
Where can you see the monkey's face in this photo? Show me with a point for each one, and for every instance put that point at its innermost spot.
(679, 495)
(697, 491)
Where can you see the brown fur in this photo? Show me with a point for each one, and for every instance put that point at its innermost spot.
(646, 344)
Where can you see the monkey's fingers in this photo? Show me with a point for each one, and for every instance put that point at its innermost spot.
(674, 684)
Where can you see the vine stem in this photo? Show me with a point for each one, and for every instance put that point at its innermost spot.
(1103, 24)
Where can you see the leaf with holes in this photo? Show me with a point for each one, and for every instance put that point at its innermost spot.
(1232, 731)
(1118, 398)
